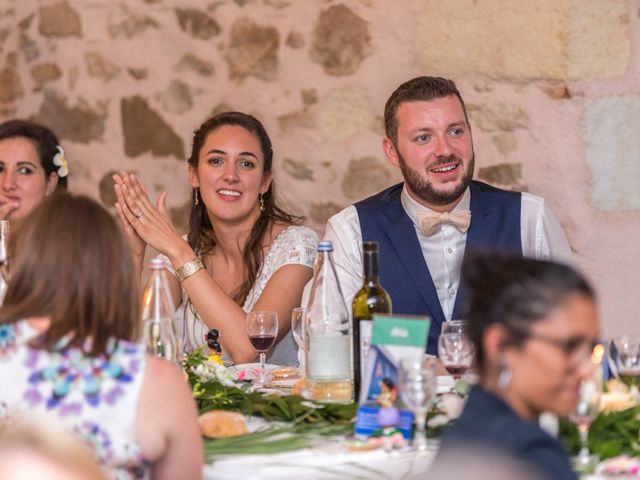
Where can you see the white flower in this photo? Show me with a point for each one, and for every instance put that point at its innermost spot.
(451, 405)
(438, 420)
(208, 371)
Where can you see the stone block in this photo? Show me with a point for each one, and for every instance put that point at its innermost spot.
(599, 42)
(11, 85)
(196, 64)
(289, 122)
(145, 130)
(365, 176)
(497, 116)
(507, 175)
(197, 23)
(105, 187)
(28, 47)
(253, 50)
(341, 41)
(81, 123)
(45, 72)
(59, 20)
(345, 112)
(610, 129)
(177, 97)
(298, 169)
(548, 39)
(295, 40)
(320, 212)
(122, 21)
(99, 67)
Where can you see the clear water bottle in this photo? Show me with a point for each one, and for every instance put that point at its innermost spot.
(158, 310)
(4, 258)
(328, 355)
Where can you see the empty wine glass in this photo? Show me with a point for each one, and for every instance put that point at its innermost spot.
(584, 414)
(455, 351)
(297, 325)
(262, 328)
(417, 382)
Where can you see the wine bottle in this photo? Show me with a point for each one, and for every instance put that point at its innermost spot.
(370, 299)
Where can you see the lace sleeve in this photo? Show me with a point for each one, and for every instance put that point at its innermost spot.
(294, 246)
(297, 245)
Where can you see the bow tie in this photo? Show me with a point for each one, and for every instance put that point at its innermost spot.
(430, 221)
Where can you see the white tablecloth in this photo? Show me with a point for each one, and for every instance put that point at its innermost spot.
(321, 463)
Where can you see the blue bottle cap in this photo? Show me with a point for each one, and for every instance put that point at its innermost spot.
(325, 246)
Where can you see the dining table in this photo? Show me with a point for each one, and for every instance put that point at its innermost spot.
(322, 462)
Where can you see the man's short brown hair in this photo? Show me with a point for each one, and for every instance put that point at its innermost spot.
(419, 89)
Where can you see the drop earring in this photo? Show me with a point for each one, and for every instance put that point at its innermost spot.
(195, 196)
(262, 202)
(504, 376)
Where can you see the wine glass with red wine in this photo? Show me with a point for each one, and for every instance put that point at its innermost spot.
(455, 351)
(262, 328)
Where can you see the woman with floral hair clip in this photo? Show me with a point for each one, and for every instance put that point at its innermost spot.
(32, 166)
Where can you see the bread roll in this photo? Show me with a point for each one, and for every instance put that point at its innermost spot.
(220, 423)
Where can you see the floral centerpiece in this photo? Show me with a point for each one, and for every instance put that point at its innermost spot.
(297, 421)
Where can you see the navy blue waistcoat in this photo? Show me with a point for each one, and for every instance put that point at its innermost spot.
(495, 225)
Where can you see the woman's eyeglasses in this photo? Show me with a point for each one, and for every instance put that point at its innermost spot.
(577, 348)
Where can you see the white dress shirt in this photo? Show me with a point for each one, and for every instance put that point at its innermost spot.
(541, 234)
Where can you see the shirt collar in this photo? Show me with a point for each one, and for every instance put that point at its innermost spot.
(412, 208)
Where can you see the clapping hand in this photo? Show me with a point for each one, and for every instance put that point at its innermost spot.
(144, 223)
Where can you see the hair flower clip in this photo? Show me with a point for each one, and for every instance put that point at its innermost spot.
(60, 161)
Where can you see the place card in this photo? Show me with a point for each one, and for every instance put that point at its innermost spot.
(393, 338)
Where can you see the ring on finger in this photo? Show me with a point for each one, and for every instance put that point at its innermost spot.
(139, 215)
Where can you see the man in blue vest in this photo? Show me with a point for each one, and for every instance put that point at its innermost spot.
(425, 225)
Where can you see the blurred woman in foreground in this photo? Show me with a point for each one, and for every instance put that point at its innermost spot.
(67, 331)
(32, 166)
(534, 326)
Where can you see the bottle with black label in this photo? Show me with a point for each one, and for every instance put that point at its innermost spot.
(370, 299)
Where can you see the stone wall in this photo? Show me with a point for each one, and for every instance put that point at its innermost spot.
(552, 86)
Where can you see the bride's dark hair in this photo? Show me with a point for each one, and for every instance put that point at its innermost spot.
(201, 234)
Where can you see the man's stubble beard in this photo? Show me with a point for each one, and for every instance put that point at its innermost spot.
(422, 188)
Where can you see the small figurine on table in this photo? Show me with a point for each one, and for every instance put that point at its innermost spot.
(215, 350)
(388, 415)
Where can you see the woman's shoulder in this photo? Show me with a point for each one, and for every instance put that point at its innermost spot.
(291, 244)
(283, 232)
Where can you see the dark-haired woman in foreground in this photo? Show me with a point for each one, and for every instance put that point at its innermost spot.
(242, 252)
(68, 329)
(534, 325)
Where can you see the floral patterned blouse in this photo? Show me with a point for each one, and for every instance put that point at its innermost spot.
(96, 398)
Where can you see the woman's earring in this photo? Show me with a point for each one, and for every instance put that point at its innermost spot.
(195, 196)
(504, 376)
(262, 202)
